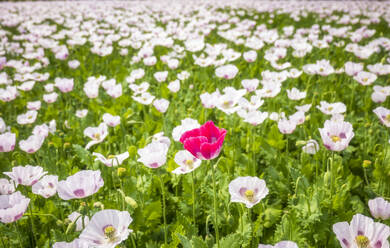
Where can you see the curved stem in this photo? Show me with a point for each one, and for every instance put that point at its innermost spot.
(215, 206)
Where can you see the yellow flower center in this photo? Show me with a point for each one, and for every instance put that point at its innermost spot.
(249, 194)
(335, 138)
(190, 163)
(111, 156)
(330, 108)
(387, 118)
(226, 104)
(110, 232)
(96, 136)
(362, 241)
(365, 79)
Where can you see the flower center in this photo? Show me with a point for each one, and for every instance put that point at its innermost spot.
(96, 136)
(335, 138)
(190, 163)
(226, 104)
(387, 118)
(109, 232)
(111, 156)
(330, 108)
(249, 194)
(362, 241)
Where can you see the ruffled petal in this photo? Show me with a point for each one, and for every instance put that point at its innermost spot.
(193, 145)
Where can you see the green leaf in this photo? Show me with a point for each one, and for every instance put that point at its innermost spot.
(184, 241)
(198, 243)
(82, 154)
(153, 211)
(230, 241)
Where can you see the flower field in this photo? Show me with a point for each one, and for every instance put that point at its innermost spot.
(197, 124)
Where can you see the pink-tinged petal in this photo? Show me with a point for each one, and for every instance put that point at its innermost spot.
(212, 150)
(191, 133)
(343, 234)
(210, 131)
(193, 144)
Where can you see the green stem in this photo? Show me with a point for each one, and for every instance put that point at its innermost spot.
(250, 220)
(19, 236)
(215, 205)
(193, 197)
(365, 176)
(132, 241)
(241, 211)
(36, 214)
(31, 221)
(164, 214)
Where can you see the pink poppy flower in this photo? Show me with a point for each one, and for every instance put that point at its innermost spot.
(97, 134)
(107, 228)
(226, 71)
(80, 185)
(111, 160)
(160, 76)
(153, 155)
(250, 56)
(73, 64)
(247, 190)
(365, 78)
(286, 126)
(64, 84)
(91, 87)
(115, 91)
(362, 232)
(36, 105)
(379, 208)
(111, 120)
(383, 115)
(7, 187)
(174, 86)
(32, 143)
(46, 187)
(12, 207)
(27, 118)
(204, 143)
(50, 98)
(250, 84)
(186, 161)
(311, 147)
(3, 62)
(161, 105)
(26, 175)
(336, 134)
(7, 142)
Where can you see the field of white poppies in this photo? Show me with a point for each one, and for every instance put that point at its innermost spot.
(194, 124)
